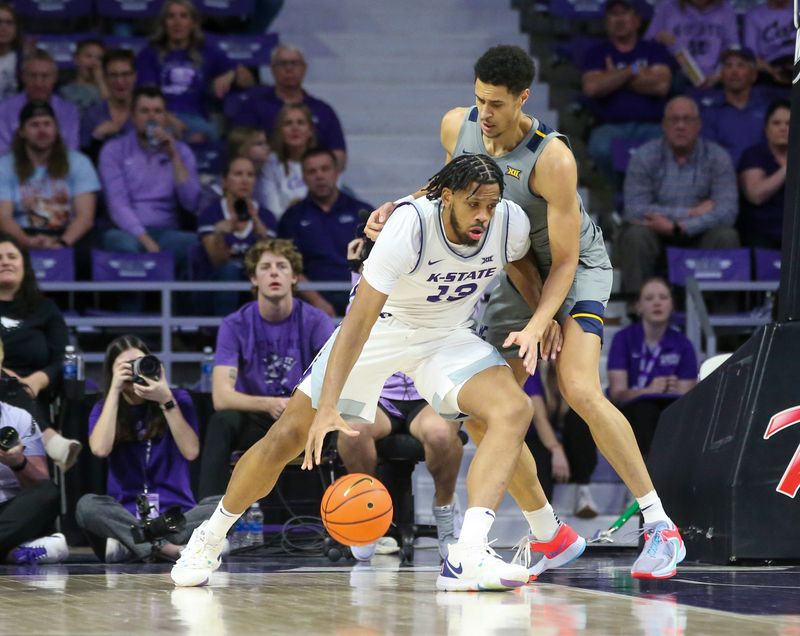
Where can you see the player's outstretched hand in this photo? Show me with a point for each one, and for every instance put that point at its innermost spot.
(377, 219)
(552, 340)
(528, 343)
(325, 421)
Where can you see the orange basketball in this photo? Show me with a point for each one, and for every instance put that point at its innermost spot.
(356, 509)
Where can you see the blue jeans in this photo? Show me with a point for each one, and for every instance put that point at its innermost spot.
(600, 139)
(168, 239)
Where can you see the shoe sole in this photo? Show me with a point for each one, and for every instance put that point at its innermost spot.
(661, 574)
(447, 584)
(191, 583)
(567, 556)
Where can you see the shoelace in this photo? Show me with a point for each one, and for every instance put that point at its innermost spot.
(523, 551)
(30, 554)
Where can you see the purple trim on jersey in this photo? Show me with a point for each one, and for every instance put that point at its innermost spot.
(421, 234)
(505, 237)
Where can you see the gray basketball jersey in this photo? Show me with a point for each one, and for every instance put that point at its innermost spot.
(517, 166)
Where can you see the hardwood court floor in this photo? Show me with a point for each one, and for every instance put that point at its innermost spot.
(310, 595)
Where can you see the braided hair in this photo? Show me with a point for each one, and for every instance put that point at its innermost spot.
(463, 170)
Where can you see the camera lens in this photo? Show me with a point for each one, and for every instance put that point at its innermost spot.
(9, 437)
(150, 367)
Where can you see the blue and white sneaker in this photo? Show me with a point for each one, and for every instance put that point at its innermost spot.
(199, 559)
(475, 568)
(49, 549)
(663, 550)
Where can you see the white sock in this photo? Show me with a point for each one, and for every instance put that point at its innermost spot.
(543, 522)
(221, 521)
(651, 508)
(477, 523)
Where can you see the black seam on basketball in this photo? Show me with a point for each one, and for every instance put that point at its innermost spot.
(332, 489)
(352, 523)
(354, 497)
(344, 539)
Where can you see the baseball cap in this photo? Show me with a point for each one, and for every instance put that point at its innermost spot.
(35, 108)
(745, 53)
(610, 4)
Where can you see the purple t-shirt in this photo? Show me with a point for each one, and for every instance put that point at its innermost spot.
(705, 34)
(322, 237)
(258, 107)
(238, 242)
(673, 355)
(157, 463)
(767, 218)
(533, 385)
(186, 86)
(735, 129)
(625, 105)
(769, 32)
(271, 356)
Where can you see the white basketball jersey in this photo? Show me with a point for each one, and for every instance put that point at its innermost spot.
(431, 282)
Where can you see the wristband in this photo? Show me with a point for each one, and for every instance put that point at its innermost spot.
(20, 467)
(168, 405)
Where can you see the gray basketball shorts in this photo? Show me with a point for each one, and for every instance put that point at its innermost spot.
(507, 310)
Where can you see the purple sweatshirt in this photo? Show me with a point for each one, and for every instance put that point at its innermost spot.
(769, 32)
(705, 34)
(67, 116)
(140, 185)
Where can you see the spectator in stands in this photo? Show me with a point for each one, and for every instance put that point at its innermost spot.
(190, 71)
(146, 175)
(252, 143)
(11, 53)
(88, 88)
(626, 80)
(769, 32)
(262, 351)
(47, 193)
(149, 433)
(697, 32)
(29, 501)
(39, 76)
(322, 224)
(260, 106)
(762, 180)
(293, 136)
(680, 189)
(650, 364)
(735, 120)
(34, 336)
(111, 118)
(229, 228)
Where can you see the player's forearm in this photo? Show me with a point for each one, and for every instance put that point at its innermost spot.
(554, 291)
(525, 277)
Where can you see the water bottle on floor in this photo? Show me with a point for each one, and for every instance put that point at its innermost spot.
(255, 535)
(206, 369)
(238, 538)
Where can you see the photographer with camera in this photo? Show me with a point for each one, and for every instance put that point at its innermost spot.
(228, 228)
(148, 432)
(28, 499)
(262, 351)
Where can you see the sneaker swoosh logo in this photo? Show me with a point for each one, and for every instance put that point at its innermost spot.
(434, 262)
(448, 569)
(554, 553)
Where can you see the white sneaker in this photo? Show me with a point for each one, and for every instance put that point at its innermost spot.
(198, 559)
(363, 552)
(387, 545)
(585, 507)
(476, 568)
(50, 549)
(115, 551)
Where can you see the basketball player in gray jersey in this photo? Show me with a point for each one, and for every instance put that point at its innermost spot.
(540, 175)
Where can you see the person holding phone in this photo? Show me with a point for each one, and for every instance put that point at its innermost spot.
(228, 228)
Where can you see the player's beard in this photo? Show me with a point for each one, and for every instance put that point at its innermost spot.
(461, 235)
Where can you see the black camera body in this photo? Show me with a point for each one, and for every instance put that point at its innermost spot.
(148, 366)
(241, 209)
(151, 530)
(9, 438)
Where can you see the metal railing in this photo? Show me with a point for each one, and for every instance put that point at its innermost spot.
(701, 325)
(167, 322)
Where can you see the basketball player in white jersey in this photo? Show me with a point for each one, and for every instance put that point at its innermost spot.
(541, 176)
(411, 313)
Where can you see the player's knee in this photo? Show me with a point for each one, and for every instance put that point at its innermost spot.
(515, 413)
(285, 436)
(440, 436)
(581, 395)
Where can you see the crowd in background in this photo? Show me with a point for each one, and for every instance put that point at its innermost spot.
(112, 156)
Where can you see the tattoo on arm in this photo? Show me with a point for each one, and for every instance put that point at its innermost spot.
(232, 374)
